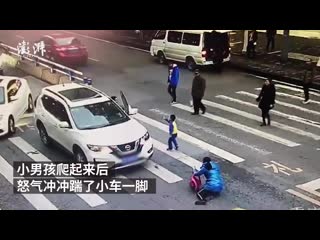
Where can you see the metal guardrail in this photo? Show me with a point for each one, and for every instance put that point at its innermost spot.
(72, 73)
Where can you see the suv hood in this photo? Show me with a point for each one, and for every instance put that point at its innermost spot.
(114, 135)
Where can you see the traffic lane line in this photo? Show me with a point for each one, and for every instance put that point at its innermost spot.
(92, 199)
(258, 118)
(19, 36)
(197, 142)
(311, 187)
(242, 127)
(105, 41)
(39, 201)
(93, 59)
(304, 197)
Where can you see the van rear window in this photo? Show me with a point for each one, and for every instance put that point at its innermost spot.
(191, 39)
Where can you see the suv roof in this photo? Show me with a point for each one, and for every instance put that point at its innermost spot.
(75, 94)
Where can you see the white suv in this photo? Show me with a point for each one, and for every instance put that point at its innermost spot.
(91, 125)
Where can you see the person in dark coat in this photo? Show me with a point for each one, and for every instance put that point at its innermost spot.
(252, 42)
(307, 80)
(197, 92)
(271, 34)
(266, 100)
(173, 81)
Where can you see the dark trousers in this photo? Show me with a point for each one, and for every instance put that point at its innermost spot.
(197, 104)
(306, 91)
(172, 92)
(265, 115)
(251, 50)
(270, 41)
(203, 194)
(173, 139)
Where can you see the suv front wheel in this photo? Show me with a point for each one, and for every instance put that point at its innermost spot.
(79, 155)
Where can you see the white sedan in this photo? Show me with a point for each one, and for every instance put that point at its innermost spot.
(15, 100)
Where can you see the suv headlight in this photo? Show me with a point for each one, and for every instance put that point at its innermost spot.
(97, 148)
(146, 136)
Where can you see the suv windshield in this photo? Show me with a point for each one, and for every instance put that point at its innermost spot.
(2, 97)
(98, 115)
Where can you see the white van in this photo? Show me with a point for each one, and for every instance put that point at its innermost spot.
(194, 47)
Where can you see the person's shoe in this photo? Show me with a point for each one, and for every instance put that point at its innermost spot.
(262, 124)
(200, 202)
(177, 148)
(173, 102)
(204, 111)
(169, 149)
(194, 113)
(306, 102)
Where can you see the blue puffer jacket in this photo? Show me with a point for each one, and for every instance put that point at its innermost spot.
(174, 81)
(212, 173)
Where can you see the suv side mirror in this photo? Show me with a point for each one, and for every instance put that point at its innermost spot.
(63, 125)
(13, 98)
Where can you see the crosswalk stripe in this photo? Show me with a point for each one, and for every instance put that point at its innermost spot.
(238, 209)
(39, 201)
(295, 106)
(296, 97)
(243, 127)
(162, 172)
(275, 112)
(189, 161)
(295, 89)
(305, 197)
(311, 187)
(93, 200)
(258, 118)
(201, 144)
(293, 85)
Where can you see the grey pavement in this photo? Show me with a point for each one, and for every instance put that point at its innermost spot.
(249, 185)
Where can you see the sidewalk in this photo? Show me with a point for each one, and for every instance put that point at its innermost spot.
(269, 64)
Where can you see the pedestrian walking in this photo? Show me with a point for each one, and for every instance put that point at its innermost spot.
(197, 92)
(266, 100)
(307, 80)
(271, 34)
(252, 42)
(173, 81)
(173, 132)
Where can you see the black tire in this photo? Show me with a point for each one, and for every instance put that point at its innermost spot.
(79, 155)
(30, 104)
(161, 58)
(190, 63)
(11, 126)
(45, 139)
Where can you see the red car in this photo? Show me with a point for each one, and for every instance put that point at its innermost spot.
(64, 49)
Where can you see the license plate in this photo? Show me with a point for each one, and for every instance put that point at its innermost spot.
(129, 159)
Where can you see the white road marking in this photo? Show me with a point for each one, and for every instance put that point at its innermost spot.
(93, 59)
(258, 118)
(39, 201)
(275, 112)
(19, 36)
(293, 85)
(92, 199)
(318, 149)
(242, 127)
(300, 195)
(257, 76)
(215, 133)
(296, 97)
(181, 157)
(201, 144)
(274, 52)
(105, 41)
(294, 106)
(20, 129)
(296, 89)
(162, 172)
(311, 187)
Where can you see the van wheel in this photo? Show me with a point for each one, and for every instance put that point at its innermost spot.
(191, 65)
(30, 104)
(11, 126)
(161, 58)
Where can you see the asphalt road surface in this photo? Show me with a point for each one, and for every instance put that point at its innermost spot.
(264, 168)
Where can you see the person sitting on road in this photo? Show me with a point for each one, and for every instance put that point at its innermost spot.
(214, 181)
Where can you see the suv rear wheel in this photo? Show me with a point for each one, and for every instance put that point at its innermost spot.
(45, 139)
(191, 65)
